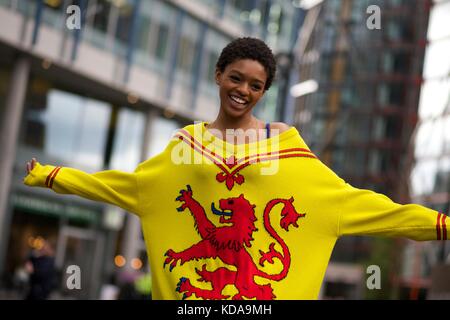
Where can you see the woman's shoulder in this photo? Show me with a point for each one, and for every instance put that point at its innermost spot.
(281, 126)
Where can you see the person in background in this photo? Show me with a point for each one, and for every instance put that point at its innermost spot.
(41, 267)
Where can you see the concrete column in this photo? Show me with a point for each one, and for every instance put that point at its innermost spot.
(9, 132)
(132, 234)
(131, 241)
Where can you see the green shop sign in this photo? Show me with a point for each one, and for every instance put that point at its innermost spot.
(55, 209)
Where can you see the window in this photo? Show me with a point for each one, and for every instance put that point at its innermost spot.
(53, 12)
(163, 130)
(101, 11)
(242, 5)
(210, 71)
(185, 55)
(383, 94)
(161, 43)
(128, 140)
(397, 94)
(143, 33)
(123, 30)
(355, 161)
(66, 126)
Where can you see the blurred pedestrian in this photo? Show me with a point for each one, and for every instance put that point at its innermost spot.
(41, 267)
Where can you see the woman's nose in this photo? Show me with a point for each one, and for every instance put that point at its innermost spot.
(243, 89)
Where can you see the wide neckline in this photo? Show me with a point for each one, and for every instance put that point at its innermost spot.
(292, 131)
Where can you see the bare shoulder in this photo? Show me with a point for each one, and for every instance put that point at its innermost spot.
(281, 126)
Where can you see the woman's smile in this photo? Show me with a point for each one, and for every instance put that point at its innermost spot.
(237, 102)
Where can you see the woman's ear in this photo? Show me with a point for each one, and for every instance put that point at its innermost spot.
(217, 75)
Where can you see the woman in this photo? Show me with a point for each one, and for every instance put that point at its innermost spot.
(239, 209)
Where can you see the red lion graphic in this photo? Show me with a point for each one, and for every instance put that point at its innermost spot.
(228, 243)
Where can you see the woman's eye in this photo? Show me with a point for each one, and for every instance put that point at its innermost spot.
(234, 78)
(256, 88)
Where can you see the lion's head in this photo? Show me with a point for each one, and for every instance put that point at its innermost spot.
(238, 215)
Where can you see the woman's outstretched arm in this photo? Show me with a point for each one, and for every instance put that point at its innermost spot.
(110, 186)
(364, 212)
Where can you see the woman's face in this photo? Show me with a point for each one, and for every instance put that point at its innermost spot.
(241, 85)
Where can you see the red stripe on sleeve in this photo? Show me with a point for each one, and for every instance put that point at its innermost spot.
(49, 177)
(53, 177)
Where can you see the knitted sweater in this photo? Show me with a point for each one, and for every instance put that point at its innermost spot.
(255, 221)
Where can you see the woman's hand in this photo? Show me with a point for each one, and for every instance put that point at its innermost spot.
(31, 164)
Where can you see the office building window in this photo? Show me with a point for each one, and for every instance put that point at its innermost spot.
(162, 41)
(100, 14)
(128, 140)
(98, 22)
(211, 70)
(185, 57)
(66, 126)
(162, 131)
(143, 33)
(124, 25)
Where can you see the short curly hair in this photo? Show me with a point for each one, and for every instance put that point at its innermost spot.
(249, 48)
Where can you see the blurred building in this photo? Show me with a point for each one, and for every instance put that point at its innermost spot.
(107, 96)
(361, 118)
(430, 177)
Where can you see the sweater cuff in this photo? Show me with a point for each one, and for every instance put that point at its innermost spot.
(41, 176)
(442, 227)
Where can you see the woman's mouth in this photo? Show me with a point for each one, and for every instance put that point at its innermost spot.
(237, 102)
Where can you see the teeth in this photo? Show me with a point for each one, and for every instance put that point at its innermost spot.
(238, 100)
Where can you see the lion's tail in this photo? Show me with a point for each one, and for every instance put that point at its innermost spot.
(285, 257)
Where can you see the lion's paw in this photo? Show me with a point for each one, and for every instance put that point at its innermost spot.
(185, 195)
(172, 259)
(184, 286)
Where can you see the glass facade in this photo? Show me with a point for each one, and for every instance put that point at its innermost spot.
(67, 127)
(147, 35)
(128, 140)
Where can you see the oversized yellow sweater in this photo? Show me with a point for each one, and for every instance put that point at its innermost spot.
(259, 221)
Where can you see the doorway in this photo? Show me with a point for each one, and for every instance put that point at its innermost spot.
(82, 248)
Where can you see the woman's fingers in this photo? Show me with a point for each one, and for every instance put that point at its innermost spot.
(31, 164)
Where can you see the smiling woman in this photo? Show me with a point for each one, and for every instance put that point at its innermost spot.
(220, 225)
(244, 72)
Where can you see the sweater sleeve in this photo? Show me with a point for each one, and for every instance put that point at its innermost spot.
(110, 186)
(364, 212)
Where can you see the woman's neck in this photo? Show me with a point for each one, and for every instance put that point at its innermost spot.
(223, 122)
